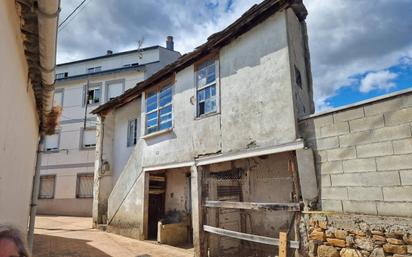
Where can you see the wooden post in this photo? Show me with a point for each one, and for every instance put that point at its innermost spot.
(197, 212)
(283, 244)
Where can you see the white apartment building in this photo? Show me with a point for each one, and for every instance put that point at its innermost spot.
(66, 185)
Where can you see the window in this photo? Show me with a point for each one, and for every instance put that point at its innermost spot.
(206, 88)
(93, 95)
(88, 138)
(132, 133)
(85, 185)
(52, 143)
(159, 110)
(47, 187)
(114, 90)
(58, 98)
(62, 75)
(94, 69)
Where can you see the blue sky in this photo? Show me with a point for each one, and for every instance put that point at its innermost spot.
(359, 48)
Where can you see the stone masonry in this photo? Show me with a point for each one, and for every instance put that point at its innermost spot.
(364, 156)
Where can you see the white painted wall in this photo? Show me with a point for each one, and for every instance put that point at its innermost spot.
(18, 123)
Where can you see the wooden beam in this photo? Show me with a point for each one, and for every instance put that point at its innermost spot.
(283, 244)
(254, 206)
(157, 178)
(156, 191)
(248, 237)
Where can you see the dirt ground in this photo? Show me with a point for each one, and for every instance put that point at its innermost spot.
(59, 236)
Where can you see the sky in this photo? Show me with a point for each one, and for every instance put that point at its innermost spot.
(359, 48)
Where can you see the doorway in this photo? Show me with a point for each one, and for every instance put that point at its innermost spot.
(157, 189)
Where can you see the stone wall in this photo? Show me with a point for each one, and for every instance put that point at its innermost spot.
(364, 156)
(359, 236)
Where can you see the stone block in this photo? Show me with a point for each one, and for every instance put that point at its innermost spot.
(368, 123)
(394, 241)
(402, 146)
(379, 238)
(378, 252)
(391, 133)
(407, 100)
(397, 249)
(346, 115)
(317, 235)
(389, 178)
(409, 249)
(341, 154)
(364, 243)
(356, 138)
(383, 106)
(325, 181)
(347, 252)
(334, 167)
(327, 251)
(336, 242)
(323, 120)
(395, 162)
(397, 194)
(406, 177)
(398, 117)
(374, 150)
(362, 207)
(394, 209)
(332, 205)
(334, 193)
(341, 234)
(335, 129)
(325, 143)
(365, 193)
(359, 165)
(320, 156)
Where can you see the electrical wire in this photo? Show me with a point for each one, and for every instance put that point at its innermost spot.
(65, 25)
(68, 16)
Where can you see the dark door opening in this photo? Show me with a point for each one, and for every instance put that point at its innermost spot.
(157, 186)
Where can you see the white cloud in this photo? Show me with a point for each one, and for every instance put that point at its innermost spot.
(382, 80)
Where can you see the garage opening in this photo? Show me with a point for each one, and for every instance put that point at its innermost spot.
(249, 203)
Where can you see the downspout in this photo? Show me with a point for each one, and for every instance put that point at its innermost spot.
(47, 13)
(35, 192)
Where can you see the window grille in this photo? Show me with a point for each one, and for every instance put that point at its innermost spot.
(85, 185)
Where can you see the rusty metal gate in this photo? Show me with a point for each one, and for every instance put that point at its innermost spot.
(251, 209)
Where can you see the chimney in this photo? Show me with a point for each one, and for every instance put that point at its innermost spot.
(170, 43)
(109, 52)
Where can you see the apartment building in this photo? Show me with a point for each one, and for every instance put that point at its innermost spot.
(68, 158)
(217, 154)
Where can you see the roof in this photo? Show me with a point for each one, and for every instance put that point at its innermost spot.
(255, 15)
(111, 55)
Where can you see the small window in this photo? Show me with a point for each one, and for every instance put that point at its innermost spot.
(46, 190)
(94, 95)
(114, 90)
(88, 138)
(132, 133)
(159, 110)
(52, 143)
(206, 88)
(85, 185)
(94, 69)
(58, 98)
(61, 75)
(298, 77)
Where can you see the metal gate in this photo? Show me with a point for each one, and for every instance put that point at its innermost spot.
(252, 210)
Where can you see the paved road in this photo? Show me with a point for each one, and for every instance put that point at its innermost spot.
(57, 236)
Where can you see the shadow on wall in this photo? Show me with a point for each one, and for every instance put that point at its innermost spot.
(45, 245)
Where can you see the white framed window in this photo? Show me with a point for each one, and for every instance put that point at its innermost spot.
(84, 187)
(206, 86)
(132, 133)
(58, 98)
(159, 110)
(61, 75)
(52, 142)
(47, 186)
(94, 69)
(94, 94)
(114, 89)
(88, 138)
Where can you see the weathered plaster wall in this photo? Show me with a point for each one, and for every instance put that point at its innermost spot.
(177, 190)
(364, 156)
(18, 125)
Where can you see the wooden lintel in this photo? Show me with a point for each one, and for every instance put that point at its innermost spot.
(254, 206)
(248, 237)
(157, 178)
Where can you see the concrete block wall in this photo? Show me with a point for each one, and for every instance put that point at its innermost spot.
(364, 156)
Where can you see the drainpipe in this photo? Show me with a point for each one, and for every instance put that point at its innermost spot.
(35, 192)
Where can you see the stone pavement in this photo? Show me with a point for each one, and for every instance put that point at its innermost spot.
(58, 236)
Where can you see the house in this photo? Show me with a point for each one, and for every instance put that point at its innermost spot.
(68, 156)
(216, 145)
(28, 32)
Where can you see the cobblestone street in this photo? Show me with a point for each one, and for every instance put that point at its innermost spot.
(73, 237)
